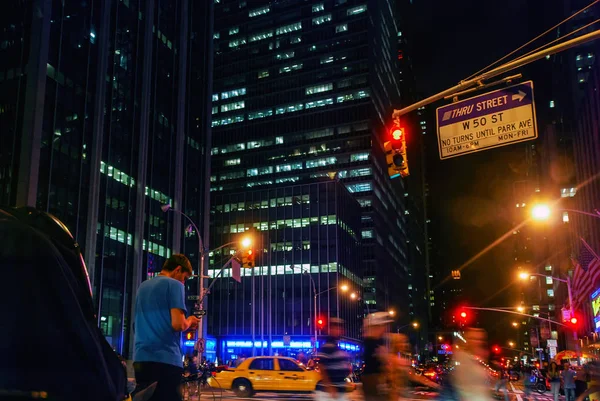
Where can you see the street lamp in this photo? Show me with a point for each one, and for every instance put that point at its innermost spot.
(515, 324)
(567, 281)
(520, 309)
(542, 212)
(246, 242)
(392, 312)
(510, 343)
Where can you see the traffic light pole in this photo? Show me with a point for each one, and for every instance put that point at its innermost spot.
(478, 80)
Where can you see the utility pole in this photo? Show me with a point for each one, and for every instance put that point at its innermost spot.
(478, 80)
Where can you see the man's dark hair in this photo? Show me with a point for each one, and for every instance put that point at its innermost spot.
(177, 260)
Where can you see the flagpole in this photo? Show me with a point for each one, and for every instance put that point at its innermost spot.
(589, 248)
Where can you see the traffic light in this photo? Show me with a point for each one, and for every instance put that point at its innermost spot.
(190, 335)
(573, 321)
(320, 323)
(456, 274)
(496, 349)
(247, 259)
(395, 152)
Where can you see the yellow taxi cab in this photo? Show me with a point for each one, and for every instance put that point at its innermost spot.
(266, 373)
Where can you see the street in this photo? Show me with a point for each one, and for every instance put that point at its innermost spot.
(515, 392)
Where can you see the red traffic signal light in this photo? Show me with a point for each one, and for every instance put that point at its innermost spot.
(190, 335)
(320, 323)
(573, 320)
(463, 315)
(396, 133)
(496, 349)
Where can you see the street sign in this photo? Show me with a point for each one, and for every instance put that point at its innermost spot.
(552, 343)
(502, 117)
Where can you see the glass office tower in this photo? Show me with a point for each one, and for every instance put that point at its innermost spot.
(104, 117)
(303, 92)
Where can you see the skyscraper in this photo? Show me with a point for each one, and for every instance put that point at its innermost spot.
(303, 93)
(104, 117)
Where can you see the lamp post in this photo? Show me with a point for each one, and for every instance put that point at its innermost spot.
(246, 242)
(567, 281)
(305, 272)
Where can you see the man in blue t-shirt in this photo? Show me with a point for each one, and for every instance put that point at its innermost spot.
(159, 318)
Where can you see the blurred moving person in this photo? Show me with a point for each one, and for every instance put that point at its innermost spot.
(553, 374)
(471, 377)
(374, 378)
(334, 365)
(568, 378)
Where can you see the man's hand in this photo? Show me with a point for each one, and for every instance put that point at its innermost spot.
(192, 322)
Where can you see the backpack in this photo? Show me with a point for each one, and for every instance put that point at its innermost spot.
(50, 342)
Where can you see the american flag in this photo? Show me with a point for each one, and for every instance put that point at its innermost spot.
(587, 273)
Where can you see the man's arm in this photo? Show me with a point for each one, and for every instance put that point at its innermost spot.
(180, 323)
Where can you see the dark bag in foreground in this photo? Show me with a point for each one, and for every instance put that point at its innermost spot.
(50, 341)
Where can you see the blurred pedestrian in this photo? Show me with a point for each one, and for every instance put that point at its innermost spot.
(553, 374)
(502, 382)
(581, 380)
(594, 382)
(471, 377)
(568, 378)
(159, 318)
(374, 378)
(334, 365)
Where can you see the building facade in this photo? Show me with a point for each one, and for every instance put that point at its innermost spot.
(303, 91)
(104, 117)
(302, 234)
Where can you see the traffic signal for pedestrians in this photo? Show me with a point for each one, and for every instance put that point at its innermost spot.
(190, 335)
(395, 152)
(456, 274)
(247, 259)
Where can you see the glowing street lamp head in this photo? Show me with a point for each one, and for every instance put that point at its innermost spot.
(415, 324)
(353, 295)
(344, 287)
(392, 312)
(520, 309)
(246, 242)
(540, 212)
(524, 276)
(515, 324)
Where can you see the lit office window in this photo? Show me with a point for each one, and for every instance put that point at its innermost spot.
(234, 30)
(319, 103)
(321, 19)
(321, 162)
(260, 36)
(290, 68)
(258, 11)
(232, 162)
(568, 192)
(296, 26)
(289, 108)
(278, 140)
(284, 56)
(341, 28)
(215, 97)
(359, 157)
(367, 233)
(326, 59)
(288, 167)
(215, 109)
(360, 187)
(216, 35)
(296, 39)
(237, 42)
(311, 90)
(356, 10)
(565, 217)
(549, 280)
(550, 292)
(233, 93)
(263, 74)
(233, 106)
(551, 104)
(252, 172)
(318, 7)
(260, 114)
(548, 268)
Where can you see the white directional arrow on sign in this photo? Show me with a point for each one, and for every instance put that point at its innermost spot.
(518, 96)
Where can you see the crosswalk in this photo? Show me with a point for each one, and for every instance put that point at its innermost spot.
(518, 394)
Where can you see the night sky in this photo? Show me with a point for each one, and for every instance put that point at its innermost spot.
(471, 195)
